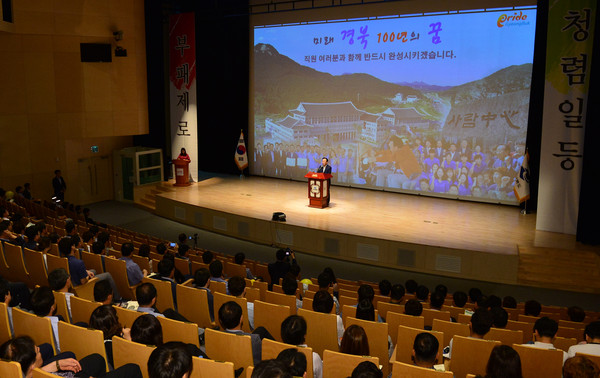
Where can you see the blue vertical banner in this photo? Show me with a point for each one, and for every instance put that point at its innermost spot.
(182, 88)
(568, 67)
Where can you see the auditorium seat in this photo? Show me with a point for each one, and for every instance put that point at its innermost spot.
(394, 320)
(536, 362)
(55, 262)
(321, 330)
(270, 316)
(564, 343)
(470, 355)
(402, 370)
(377, 333)
(17, 272)
(174, 330)
(164, 294)
(271, 349)
(125, 352)
(36, 267)
(126, 317)
(281, 299)
(205, 368)
(220, 299)
(430, 314)
(81, 341)
(406, 339)
(61, 306)
(118, 271)
(384, 307)
(10, 369)
(193, 305)
(224, 346)
(81, 309)
(575, 333)
(526, 328)
(5, 333)
(143, 263)
(39, 328)
(340, 365)
(450, 329)
(505, 336)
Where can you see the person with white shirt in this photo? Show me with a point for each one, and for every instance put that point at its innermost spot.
(544, 331)
(592, 341)
(293, 332)
(43, 304)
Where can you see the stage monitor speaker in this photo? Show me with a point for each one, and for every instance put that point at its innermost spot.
(278, 216)
(96, 52)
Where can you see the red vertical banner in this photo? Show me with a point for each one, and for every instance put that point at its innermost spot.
(182, 88)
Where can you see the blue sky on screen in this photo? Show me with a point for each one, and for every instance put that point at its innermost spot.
(474, 45)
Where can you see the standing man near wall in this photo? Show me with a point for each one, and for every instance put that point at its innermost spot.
(59, 185)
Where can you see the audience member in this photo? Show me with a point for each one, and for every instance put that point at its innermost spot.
(365, 310)
(385, 287)
(500, 317)
(134, 273)
(411, 286)
(103, 292)
(533, 308)
(592, 341)
(202, 282)
(544, 331)
(293, 332)
(509, 302)
(146, 329)
(216, 271)
(576, 314)
(207, 257)
(230, 319)
(355, 341)
(504, 362)
(397, 294)
(289, 285)
(325, 281)
(172, 360)
(366, 369)
(239, 259)
(60, 281)
(436, 300)
(271, 369)
(294, 360)
(459, 299)
(426, 351)
(413, 307)
(323, 303)
(33, 236)
(281, 266)
(474, 295)
(442, 289)
(166, 272)
(146, 297)
(481, 322)
(236, 286)
(161, 248)
(422, 293)
(580, 367)
(105, 319)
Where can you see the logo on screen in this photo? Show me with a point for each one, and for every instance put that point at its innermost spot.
(506, 19)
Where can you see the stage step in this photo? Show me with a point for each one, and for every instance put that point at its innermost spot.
(147, 200)
(559, 269)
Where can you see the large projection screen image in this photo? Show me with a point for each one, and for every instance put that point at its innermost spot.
(435, 104)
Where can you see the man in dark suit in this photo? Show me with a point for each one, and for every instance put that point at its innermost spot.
(59, 185)
(326, 168)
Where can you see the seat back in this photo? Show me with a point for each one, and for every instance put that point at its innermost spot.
(263, 287)
(14, 259)
(527, 329)
(321, 331)
(384, 307)
(5, 333)
(164, 294)
(125, 352)
(92, 261)
(127, 317)
(193, 305)
(81, 341)
(36, 267)
(377, 333)
(61, 306)
(271, 349)
(430, 314)
(182, 265)
(55, 262)
(86, 290)
(564, 343)
(570, 324)
(224, 346)
(232, 269)
(470, 356)
(505, 336)
(536, 362)
(406, 339)
(340, 365)
(450, 329)
(270, 316)
(118, 271)
(402, 370)
(3, 265)
(220, 299)
(10, 369)
(281, 299)
(205, 368)
(394, 320)
(39, 328)
(174, 330)
(81, 309)
(575, 333)
(143, 262)
(218, 287)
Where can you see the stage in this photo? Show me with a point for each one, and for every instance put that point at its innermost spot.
(480, 241)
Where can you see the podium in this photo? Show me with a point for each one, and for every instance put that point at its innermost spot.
(318, 189)
(182, 172)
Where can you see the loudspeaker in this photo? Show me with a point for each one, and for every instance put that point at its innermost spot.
(278, 216)
(96, 52)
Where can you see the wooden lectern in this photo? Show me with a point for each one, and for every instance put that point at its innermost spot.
(318, 189)
(182, 172)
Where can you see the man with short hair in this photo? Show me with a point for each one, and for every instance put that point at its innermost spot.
(202, 282)
(481, 322)
(103, 293)
(293, 332)
(165, 272)
(216, 271)
(422, 293)
(592, 338)
(385, 287)
(239, 259)
(33, 236)
(59, 185)
(436, 301)
(207, 257)
(397, 294)
(281, 267)
(146, 297)
(237, 287)
(134, 273)
(544, 331)
(230, 318)
(425, 351)
(500, 317)
(325, 281)
(413, 307)
(60, 281)
(289, 285)
(171, 359)
(44, 305)
(323, 303)
(532, 308)
(459, 298)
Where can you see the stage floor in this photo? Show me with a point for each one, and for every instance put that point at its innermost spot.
(382, 228)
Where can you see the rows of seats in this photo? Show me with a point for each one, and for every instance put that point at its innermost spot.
(271, 307)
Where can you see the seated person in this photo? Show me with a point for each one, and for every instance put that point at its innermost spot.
(236, 286)
(103, 293)
(576, 314)
(281, 267)
(134, 273)
(533, 308)
(202, 282)
(425, 351)
(79, 274)
(459, 299)
(216, 271)
(422, 293)
(592, 341)
(5, 297)
(385, 287)
(271, 368)
(509, 302)
(172, 359)
(289, 285)
(239, 259)
(366, 369)
(397, 294)
(207, 257)
(544, 331)
(146, 297)
(230, 319)
(294, 360)
(481, 322)
(166, 272)
(23, 350)
(504, 362)
(60, 281)
(105, 319)
(323, 303)
(293, 332)
(355, 341)
(413, 307)
(43, 305)
(325, 281)
(436, 301)
(500, 317)
(580, 367)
